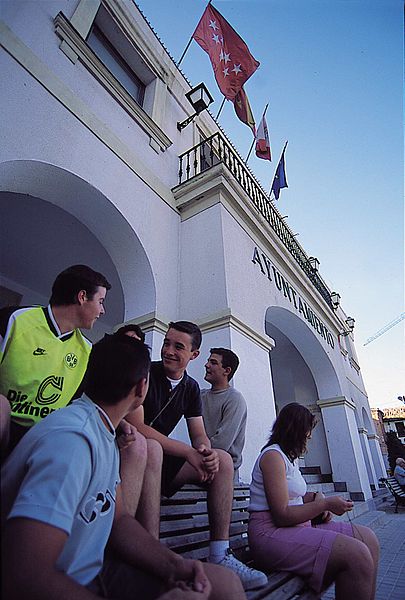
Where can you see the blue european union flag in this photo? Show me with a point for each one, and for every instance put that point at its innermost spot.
(280, 178)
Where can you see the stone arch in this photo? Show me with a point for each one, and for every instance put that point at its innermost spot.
(302, 372)
(280, 320)
(52, 218)
(367, 423)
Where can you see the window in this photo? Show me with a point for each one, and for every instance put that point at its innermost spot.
(400, 427)
(116, 64)
(109, 39)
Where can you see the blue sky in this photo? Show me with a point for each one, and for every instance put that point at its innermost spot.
(331, 71)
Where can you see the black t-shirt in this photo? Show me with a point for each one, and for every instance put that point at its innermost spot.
(164, 407)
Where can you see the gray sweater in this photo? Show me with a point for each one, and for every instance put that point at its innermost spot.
(224, 414)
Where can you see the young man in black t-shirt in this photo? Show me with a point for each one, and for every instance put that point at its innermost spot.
(173, 394)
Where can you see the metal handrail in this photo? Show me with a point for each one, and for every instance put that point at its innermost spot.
(215, 150)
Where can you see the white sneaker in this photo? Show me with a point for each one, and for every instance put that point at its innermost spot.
(250, 578)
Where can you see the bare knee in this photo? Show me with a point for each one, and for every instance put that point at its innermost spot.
(364, 560)
(225, 463)
(351, 556)
(136, 453)
(226, 585)
(369, 538)
(155, 455)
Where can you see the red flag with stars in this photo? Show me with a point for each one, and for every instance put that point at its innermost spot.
(230, 57)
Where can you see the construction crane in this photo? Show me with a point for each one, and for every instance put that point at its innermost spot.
(384, 329)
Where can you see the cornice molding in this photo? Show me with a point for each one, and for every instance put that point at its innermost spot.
(338, 401)
(227, 319)
(152, 322)
(148, 322)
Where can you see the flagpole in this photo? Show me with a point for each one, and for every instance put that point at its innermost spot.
(250, 149)
(220, 108)
(191, 39)
(272, 181)
(254, 138)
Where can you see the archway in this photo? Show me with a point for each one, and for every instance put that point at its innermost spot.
(51, 219)
(302, 372)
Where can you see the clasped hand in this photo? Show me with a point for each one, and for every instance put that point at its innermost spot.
(335, 504)
(189, 581)
(126, 434)
(206, 462)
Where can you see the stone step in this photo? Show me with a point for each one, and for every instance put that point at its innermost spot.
(310, 470)
(320, 487)
(318, 478)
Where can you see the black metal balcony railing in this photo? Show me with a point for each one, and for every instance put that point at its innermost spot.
(215, 150)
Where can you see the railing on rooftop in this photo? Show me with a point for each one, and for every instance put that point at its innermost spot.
(215, 150)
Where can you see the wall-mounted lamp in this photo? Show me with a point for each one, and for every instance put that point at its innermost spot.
(335, 299)
(200, 99)
(350, 326)
(314, 262)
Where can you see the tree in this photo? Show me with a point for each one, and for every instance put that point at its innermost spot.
(396, 449)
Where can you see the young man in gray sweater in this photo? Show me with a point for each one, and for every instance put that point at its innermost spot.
(224, 408)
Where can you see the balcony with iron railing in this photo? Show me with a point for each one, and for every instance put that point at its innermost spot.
(215, 150)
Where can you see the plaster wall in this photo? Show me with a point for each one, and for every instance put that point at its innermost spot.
(202, 266)
(153, 221)
(347, 461)
(41, 39)
(250, 291)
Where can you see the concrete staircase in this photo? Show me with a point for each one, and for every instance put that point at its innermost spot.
(369, 513)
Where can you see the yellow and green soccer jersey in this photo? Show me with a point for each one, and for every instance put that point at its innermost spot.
(40, 369)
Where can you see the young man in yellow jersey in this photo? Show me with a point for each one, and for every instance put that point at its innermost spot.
(43, 354)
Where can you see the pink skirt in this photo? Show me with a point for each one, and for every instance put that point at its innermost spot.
(302, 549)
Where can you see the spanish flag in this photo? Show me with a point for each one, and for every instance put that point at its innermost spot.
(243, 110)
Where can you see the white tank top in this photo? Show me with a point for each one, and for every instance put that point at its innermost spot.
(297, 486)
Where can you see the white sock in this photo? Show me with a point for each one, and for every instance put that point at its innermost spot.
(218, 550)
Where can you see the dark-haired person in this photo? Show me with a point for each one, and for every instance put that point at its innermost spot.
(281, 535)
(62, 503)
(132, 330)
(224, 408)
(43, 354)
(141, 462)
(173, 394)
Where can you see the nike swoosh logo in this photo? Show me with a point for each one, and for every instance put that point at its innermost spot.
(39, 352)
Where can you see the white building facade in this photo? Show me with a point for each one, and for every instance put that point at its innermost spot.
(90, 173)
